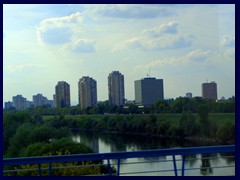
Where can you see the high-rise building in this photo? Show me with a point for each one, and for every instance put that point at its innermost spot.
(8, 105)
(19, 102)
(148, 91)
(87, 92)
(209, 90)
(116, 88)
(189, 95)
(62, 92)
(39, 100)
(54, 101)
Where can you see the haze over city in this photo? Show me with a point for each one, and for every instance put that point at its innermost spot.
(185, 45)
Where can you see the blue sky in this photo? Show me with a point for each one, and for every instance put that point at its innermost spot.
(185, 45)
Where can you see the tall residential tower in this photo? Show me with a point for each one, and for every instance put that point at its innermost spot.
(62, 93)
(116, 88)
(87, 92)
(209, 90)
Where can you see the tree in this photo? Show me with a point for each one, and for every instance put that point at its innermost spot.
(188, 124)
(64, 146)
(204, 121)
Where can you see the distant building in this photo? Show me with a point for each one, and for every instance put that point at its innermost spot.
(54, 101)
(62, 92)
(148, 91)
(39, 100)
(50, 103)
(29, 104)
(8, 105)
(189, 95)
(87, 92)
(19, 102)
(116, 88)
(209, 90)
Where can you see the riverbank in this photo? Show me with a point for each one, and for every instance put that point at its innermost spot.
(220, 126)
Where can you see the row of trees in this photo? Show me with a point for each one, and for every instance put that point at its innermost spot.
(188, 125)
(178, 105)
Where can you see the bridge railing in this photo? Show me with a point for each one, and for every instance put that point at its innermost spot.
(179, 156)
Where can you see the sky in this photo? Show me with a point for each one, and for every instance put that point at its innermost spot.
(184, 44)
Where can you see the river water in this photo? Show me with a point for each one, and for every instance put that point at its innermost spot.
(102, 143)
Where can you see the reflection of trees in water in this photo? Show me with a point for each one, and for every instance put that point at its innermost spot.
(90, 140)
(138, 142)
(214, 158)
(115, 161)
(158, 158)
(191, 160)
(205, 168)
(228, 157)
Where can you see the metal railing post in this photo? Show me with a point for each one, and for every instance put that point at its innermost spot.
(109, 168)
(118, 171)
(183, 164)
(175, 165)
(50, 169)
(39, 170)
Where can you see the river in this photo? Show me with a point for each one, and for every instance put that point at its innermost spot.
(102, 143)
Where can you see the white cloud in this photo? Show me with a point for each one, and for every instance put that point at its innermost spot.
(58, 30)
(170, 28)
(23, 67)
(129, 11)
(81, 46)
(196, 56)
(228, 41)
(229, 54)
(165, 36)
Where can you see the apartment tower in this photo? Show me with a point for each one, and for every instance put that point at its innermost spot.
(209, 90)
(116, 88)
(87, 92)
(62, 94)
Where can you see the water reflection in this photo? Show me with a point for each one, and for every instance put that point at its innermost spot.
(205, 167)
(191, 160)
(229, 157)
(115, 143)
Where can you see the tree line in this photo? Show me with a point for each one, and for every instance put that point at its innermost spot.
(179, 105)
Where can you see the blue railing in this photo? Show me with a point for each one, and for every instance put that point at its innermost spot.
(12, 166)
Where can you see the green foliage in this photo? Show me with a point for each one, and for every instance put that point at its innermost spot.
(62, 169)
(58, 147)
(204, 121)
(188, 124)
(226, 133)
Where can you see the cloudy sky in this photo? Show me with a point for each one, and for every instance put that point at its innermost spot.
(185, 45)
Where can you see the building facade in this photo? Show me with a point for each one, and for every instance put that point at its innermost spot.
(209, 90)
(148, 91)
(62, 93)
(116, 88)
(189, 95)
(39, 100)
(87, 92)
(19, 102)
(8, 105)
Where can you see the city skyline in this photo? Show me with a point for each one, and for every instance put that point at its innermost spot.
(183, 44)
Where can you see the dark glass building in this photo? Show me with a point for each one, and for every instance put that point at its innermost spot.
(148, 91)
